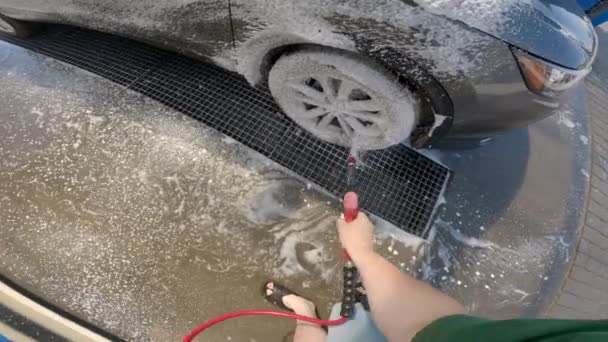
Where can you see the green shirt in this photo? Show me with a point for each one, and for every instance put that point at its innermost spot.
(468, 328)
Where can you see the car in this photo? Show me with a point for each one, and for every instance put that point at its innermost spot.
(379, 72)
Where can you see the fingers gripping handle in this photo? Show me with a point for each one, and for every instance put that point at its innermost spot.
(351, 210)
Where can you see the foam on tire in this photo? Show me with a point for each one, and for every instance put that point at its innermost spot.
(400, 105)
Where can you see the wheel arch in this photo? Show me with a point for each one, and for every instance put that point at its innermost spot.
(258, 54)
(22, 29)
(265, 50)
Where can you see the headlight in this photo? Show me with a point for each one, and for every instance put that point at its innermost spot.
(545, 78)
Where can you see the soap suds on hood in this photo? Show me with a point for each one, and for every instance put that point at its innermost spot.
(488, 15)
(419, 31)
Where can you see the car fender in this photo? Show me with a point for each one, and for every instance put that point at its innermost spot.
(256, 55)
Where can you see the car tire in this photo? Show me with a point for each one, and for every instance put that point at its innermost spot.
(15, 28)
(336, 95)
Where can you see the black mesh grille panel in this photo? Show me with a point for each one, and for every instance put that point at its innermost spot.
(397, 184)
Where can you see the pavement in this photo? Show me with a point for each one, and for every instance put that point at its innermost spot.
(600, 66)
(583, 292)
(144, 222)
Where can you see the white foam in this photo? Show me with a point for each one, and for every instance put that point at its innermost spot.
(304, 21)
(564, 118)
(439, 119)
(228, 140)
(386, 230)
(298, 233)
(473, 242)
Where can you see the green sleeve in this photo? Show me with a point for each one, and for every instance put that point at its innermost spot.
(469, 328)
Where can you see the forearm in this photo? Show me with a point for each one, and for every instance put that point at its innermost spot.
(400, 305)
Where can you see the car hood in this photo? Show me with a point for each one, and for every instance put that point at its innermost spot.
(556, 30)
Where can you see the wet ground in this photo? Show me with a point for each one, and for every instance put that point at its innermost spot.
(145, 222)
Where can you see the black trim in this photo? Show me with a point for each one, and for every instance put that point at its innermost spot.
(231, 24)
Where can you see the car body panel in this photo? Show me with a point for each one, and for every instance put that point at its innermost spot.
(479, 74)
(556, 30)
(469, 75)
(198, 27)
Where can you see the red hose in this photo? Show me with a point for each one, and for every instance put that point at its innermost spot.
(192, 334)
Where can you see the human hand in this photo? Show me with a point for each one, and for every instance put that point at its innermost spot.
(356, 236)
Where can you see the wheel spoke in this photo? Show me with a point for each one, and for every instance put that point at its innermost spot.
(328, 89)
(364, 105)
(309, 100)
(326, 120)
(348, 129)
(307, 91)
(314, 113)
(344, 90)
(365, 116)
(340, 107)
(359, 128)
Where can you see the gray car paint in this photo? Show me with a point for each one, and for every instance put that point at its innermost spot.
(569, 38)
(480, 83)
(200, 28)
(556, 30)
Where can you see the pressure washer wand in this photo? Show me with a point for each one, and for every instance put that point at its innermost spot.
(351, 210)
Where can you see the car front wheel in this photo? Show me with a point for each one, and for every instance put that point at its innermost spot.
(340, 97)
